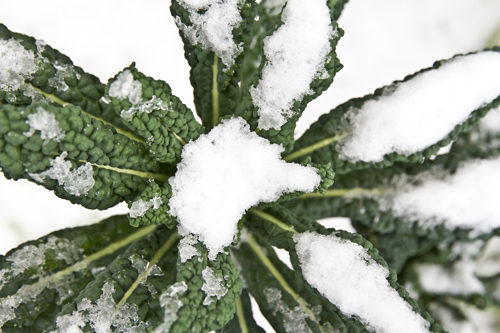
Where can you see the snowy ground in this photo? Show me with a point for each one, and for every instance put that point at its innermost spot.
(384, 41)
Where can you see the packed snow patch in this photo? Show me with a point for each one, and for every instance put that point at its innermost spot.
(225, 172)
(76, 182)
(16, 64)
(213, 22)
(124, 86)
(46, 123)
(417, 113)
(466, 199)
(289, 70)
(347, 276)
(140, 207)
(186, 248)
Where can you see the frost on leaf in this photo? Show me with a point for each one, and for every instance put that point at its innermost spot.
(213, 286)
(345, 273)
(125, 87)
(16, 64)
(419, 112)
(171, 304)
(154, 103)
(217, 181)
(140, 207)
(212, 25)
(46, 123)
(76, 182)
(102, 315)
(289, 71)
(467, 199)
(186, 248)
(294, 320)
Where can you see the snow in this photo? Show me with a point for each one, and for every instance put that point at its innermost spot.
(125, 87)
(76, 182)
(213, 28)
(289, 70)
(186, 248)
(212, 286)
(16, 64)
(217, 181)
(170, 304)
(423, 110)
(62, 71)
(46, 123)
(140, 207)
(355, 283)
(103, 316)
(294, 320)
(154, 103)
(467, 199)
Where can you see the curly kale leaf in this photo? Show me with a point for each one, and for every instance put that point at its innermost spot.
(79, 157)
(148, 108)
(338, 137)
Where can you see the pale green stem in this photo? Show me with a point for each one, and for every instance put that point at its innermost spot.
(355, 192)
(215, 92)
(494, 40)
(111, 248)
(59, 101)
(318, 145)
(257, 249)
(241, 316)
(272, 219)
(148, 175)
(144, 275)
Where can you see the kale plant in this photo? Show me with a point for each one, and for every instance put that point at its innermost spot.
(215, 207)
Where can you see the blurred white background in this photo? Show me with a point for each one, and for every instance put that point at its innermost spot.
(384, 40)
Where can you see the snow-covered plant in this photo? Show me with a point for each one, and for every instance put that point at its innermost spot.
(216, 207)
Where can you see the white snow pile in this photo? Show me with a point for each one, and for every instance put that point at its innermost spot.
(423, 110)
(344, 273)
(170, 304)
(140, 207)
(467, 199)
(213, 28)
(16, 64)
(213, 286)
(296, 54)
(225, 172)
(76, 182)
(102, 316)
(125, 87)
(46, 123)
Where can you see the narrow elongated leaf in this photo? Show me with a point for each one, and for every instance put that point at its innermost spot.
(148, 108)
(211, 288)
(409, 120)
(31, 71)
(39, 277)
(79, 157)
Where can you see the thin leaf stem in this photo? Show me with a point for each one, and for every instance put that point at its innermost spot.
(241, 316)
(144, 275)
(272, 219)
(318, 145)
(259, 252)
(148, 175)
(59, 101)
(355, 192)
(215, 91)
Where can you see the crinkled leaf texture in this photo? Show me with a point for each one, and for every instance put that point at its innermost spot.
(100, 144)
